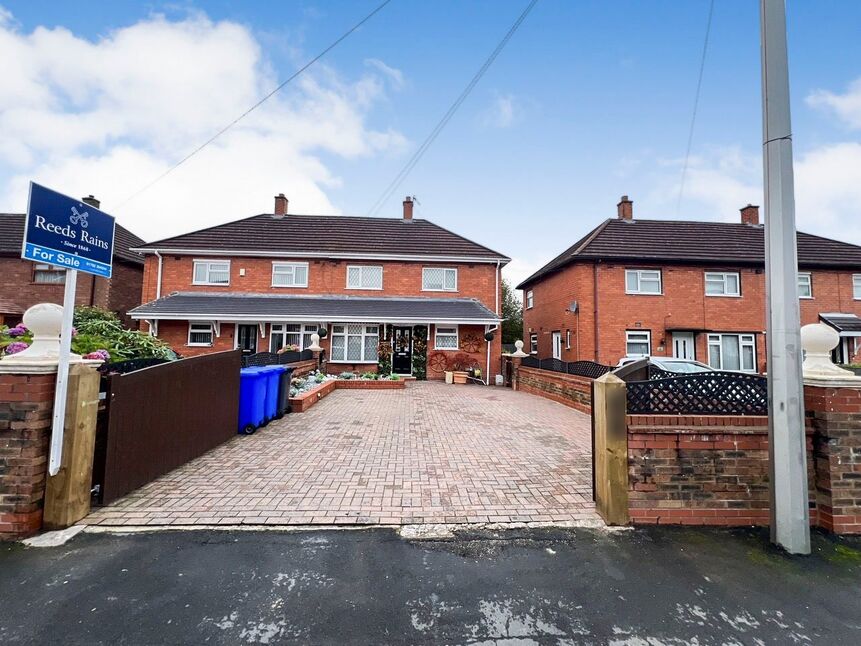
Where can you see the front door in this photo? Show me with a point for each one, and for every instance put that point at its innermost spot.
(557, 345)
(683, 345)
(402, 351)
(246, 338)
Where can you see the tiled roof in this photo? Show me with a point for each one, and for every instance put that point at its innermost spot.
(266, 307)
(12, 237)
(845, 323)
(679, 241)
(329, 234)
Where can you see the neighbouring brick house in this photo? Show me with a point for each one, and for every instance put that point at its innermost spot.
(634, 287)
(26, 283)
(270, 280)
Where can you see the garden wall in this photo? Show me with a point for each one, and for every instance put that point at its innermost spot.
(571, 390)
(306, 400)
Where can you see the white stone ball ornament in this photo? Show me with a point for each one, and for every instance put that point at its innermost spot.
(817, 341)
(518, 349)
(315, 343)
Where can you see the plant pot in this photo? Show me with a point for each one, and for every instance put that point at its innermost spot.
(449, 377)
(460, 376)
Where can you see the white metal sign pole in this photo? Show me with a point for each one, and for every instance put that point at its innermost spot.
(790, 525)
(56, 455)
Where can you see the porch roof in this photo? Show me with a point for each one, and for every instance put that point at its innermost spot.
(207, 306)
(845, 324)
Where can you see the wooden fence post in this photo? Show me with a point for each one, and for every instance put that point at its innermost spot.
(611, 449)
(67, 494)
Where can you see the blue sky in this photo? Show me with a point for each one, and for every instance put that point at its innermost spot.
(589, 100)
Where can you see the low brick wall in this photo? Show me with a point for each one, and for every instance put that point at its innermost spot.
(306, 400)
(571, 390)
(701, 470)
(834, 418)
(26, 402)
(302, 368)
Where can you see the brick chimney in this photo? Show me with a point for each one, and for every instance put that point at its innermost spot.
(408, 208)
(750, 214)
(280, 205)
(625, 208)
(92, 201)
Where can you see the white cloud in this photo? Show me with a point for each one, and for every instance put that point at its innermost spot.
(846, 106)
(520, 269)
(502, 113)
(395, 75)
(107, 116)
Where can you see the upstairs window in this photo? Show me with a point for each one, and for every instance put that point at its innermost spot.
(200, 334)
(642, 281)
(856, 287)
(439, 279)
(48, 274)
(805, 286)
(638, 343)
(445, 338)
(530, 300)
(289, 274)
(211, 272)
(722, 283)
(364, 277)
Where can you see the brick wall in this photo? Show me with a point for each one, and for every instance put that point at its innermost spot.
(683, 305)
(119, 294)
(571, 390)
(26, 402)
(834, 417)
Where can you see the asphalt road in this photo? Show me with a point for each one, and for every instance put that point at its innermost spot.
(643, 587)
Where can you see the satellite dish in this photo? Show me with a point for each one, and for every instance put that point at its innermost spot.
(573, 306)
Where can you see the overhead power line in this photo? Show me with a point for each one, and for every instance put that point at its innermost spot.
(402, 175)
(696, 106)
(258, 104)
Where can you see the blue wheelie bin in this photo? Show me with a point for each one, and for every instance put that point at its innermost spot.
(273, 391)
(252, 396)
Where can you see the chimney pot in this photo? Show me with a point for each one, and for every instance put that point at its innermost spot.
(625, 208)
(92, 201)
(408, 208)
(750, 214)
(280, 205)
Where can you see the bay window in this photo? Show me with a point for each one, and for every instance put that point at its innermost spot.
(355, 343)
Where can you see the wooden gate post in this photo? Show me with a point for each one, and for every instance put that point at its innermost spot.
(67, 494)
(611, 449)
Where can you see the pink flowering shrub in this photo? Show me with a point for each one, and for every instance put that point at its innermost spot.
(101, 355)
(18, 330)
(16, 347)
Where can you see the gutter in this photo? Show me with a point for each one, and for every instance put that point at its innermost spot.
(303, 318)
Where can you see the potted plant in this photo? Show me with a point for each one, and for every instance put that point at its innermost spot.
(460, 365)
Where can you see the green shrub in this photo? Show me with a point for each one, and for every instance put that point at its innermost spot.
(394, 377)
(346, 375)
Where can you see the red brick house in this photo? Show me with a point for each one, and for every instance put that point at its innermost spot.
(696, 290)
(274, 279)
(26, 283)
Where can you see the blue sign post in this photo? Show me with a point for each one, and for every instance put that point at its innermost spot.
(66, 233)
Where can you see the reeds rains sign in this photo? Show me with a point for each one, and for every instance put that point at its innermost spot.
(67, 233)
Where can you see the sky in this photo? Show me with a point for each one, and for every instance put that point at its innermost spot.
(589, 101)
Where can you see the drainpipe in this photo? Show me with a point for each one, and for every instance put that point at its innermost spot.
(595, 302)
(486, 330)
(158, 277)
(498, 270)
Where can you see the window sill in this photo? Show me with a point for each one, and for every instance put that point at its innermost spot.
(644, 293)
(290, 286)
(368, 362)
(810, 298)
(436, 349)
(723, 295)
(450, 291)
(198, 345)
(365, 289)
(210, 284)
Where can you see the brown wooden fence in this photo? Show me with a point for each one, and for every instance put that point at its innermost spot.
(159, 418)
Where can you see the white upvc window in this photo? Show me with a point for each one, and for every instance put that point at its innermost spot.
(48, 274)
(856, 287)
(200, 334)
(638, 343)
(446, 338)
(298, 334)
(533, 344)
(354, 343)
(805, 285)
(211, 272)
(723, 283)
(289, 274)
(364, 277)
(439, 279)
(732, 352)
(642, 281)
(530, 300)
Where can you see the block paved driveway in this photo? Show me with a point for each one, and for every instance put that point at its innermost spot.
(431, 453)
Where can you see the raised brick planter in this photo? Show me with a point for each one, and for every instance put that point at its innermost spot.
(304, 401)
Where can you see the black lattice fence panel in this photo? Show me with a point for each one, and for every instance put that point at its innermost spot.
(580, 368)
(705, 393)
(274, 358)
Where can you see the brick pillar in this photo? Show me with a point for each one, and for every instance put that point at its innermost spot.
(515, 371)
(834, 416)
(26, 404)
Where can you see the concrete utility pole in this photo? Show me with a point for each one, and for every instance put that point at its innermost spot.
(790, 524)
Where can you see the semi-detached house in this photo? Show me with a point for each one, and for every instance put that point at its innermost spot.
(696, 290)
(271, 280)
